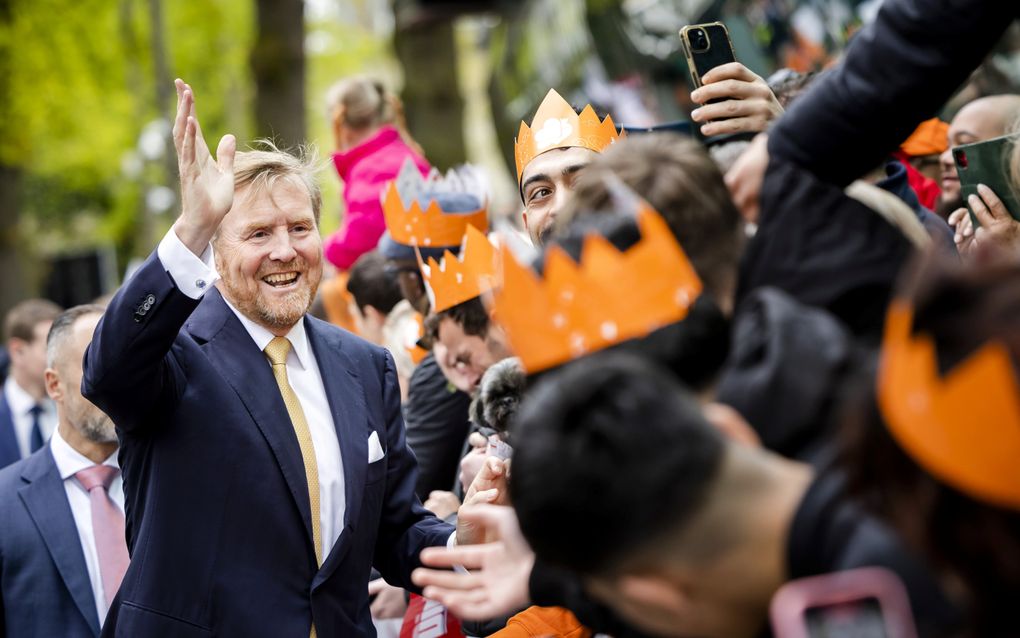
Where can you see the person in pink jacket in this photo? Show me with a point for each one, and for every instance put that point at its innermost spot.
(372, 144)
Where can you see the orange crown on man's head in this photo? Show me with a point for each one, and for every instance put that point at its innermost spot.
(607, 298)
(412, 225)
(557, 125)
(455, 281)
(963, 428)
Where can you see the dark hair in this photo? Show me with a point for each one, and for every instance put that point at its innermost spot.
(693, 349)
(22, 319)
(678, 179)
(610, 454)
(62, 327)
(372, 284)
(978, 544)
(470, 315)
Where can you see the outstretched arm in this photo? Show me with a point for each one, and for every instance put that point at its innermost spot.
(898, 71)
(129, 370)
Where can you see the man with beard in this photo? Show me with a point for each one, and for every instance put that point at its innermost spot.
(62, 537)
(264, 459)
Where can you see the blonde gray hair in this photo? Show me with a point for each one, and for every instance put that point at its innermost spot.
(261, 167)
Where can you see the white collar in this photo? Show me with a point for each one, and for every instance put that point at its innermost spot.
(19, 401)
(69, 460)
(300, 347)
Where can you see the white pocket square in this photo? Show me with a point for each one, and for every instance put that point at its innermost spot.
(375, 451)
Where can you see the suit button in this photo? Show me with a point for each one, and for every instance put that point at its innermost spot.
(151, 299)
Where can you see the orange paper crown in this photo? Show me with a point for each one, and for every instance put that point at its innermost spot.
(963, 429)
(455, 280)
(610, 297)
(410, 225)
(557, 125)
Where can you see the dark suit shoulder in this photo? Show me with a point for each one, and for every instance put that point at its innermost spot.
(31, 468)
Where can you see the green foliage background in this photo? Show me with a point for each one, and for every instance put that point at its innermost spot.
(83, 85)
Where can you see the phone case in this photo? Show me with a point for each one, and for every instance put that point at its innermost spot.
(987, 163)
(719, 51)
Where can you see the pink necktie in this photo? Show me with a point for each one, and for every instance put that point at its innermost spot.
(107, 527)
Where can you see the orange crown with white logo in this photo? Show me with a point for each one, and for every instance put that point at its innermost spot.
(963, 428)
(412, 225)
(557, 125)
(609, 297)
(454, 281)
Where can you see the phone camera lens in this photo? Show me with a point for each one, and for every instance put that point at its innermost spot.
(699, 41)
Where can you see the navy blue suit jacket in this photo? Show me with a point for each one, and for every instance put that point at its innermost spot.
(9, 452)
(45, 583)
(218, 518)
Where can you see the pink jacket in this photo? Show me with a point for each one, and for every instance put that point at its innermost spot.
(364, 170)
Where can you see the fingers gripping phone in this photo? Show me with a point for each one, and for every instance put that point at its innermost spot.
(987, 163)
(705, 46)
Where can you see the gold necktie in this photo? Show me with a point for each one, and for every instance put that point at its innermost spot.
(277, 351)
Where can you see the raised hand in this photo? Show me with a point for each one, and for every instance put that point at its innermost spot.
(499, 585)
(207, 184)
(747, 103)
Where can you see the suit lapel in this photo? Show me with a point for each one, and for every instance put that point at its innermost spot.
(9, 452)
(347, 406)
(234, 354)
(46, 500)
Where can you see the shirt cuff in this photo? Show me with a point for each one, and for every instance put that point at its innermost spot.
(193, 275)
(452, 541)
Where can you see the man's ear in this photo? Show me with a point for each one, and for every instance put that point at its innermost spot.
(54, 388)
(731, 423)
(524, 216)
(652, 593)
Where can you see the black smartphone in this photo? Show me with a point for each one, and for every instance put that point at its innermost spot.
(705, 46)
(987, 163)
(863, 603)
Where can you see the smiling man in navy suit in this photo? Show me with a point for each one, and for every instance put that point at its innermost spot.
(265, 467)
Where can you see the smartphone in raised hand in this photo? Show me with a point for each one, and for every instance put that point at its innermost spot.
(705, 46)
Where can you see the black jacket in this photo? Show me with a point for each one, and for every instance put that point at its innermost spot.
(897, 72)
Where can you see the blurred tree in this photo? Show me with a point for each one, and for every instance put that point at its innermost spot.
(78, 84)
(278, 66)
(13, 286)
(425, 46)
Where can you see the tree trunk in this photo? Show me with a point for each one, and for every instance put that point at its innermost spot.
(432, 102)
(278, 66)
(13, 286)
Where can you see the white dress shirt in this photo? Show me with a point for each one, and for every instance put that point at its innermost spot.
(21, 404)
(69, 462)
(193, 277)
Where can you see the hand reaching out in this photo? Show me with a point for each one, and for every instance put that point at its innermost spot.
(745, 178)
(747, 103)
(489, 487)
(499, 584)
(207, 184)
(442, 503)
